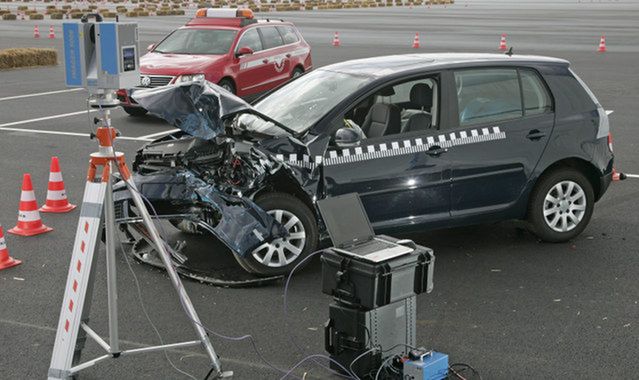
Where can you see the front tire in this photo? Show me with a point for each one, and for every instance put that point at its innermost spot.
(228, 85)
(281, 255)
(561, 205)
(135, 111)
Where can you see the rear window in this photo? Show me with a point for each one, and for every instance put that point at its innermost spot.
(271, 37)
(488, 95)
(288, 34)
(536, 97)
(197, 41)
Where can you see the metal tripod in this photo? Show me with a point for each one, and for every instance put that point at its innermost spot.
(73, 327)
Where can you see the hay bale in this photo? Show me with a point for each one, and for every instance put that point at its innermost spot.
(76, 15)
(36, 16)
(22, 7)
(57, 16)
(26, 57)
(132, 14)
(9, 17)
(4, 12)
(177, 12)
(109, 14)
(143, 13)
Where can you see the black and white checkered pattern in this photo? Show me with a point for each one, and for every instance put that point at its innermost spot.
(395, 148)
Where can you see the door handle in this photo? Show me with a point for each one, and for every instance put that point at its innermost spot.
(436, 151)
(535, 134)
(265, 60)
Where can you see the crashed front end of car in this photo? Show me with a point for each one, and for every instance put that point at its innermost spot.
(204, 178)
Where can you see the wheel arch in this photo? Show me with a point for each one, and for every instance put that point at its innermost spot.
(281, 182)
(584, 167)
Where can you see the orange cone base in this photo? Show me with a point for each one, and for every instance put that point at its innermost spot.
(58, 209)
(11, 262)
(31, 231)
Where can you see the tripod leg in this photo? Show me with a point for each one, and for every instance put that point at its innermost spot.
(175, 279)
(112, 293)
(69, 339)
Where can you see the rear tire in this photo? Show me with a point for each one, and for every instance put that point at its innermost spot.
(135, 111)
(228, 85)
(561, 205)
(297, 72)
(280, 256)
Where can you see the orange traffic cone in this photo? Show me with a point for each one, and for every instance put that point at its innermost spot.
(29, 222)
(502, 43)
(56, 196)
(416, 41)
(6, 261)
(51, 33)
(336, 40)
(602, 45)
(36, 32)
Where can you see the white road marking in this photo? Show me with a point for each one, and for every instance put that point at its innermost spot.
(60, 133)
(45, 118)
(632, 175)
(40, 94)
(155, 135)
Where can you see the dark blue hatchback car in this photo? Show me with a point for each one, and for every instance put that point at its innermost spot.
(427, 140)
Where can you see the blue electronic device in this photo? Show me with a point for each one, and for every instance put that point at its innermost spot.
(101, 55)
(429, 366)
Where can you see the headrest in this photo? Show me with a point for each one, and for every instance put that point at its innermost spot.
(388, 91)
(421, 95)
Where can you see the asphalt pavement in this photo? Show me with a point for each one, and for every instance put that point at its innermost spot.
(507, 304)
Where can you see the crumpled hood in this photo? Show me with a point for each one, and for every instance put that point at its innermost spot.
(197, 108)
(157, 63)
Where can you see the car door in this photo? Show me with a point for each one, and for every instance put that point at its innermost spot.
(504, 121)
(253, 70)
(402, 178)
(278, 59)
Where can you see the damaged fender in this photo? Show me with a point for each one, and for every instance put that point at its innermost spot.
(236, 221)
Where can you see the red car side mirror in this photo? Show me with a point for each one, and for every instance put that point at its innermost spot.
(150, 47)
(244, 50)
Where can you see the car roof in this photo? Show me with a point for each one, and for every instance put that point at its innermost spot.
(397, 64)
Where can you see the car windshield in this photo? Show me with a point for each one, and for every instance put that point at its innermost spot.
(301, 103)
(197, 41)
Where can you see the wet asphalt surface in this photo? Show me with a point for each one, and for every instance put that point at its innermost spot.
(503, 302)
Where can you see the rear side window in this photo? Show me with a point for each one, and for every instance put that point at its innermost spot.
(271, 37)
(536, 97)
(288, 34)
(488, 95)
(250, 39)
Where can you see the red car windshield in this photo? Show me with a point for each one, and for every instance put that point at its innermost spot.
(197, 41)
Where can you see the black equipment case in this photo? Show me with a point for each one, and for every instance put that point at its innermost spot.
(368, 285)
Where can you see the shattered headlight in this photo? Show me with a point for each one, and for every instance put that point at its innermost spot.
(190, 78)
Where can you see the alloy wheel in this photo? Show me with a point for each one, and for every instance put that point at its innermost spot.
(282, 251)
(564, 206)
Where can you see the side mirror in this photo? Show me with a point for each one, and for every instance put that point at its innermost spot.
(347, 137)
(244, 50)
(150, 47)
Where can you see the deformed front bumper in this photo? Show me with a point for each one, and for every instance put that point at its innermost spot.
(177, 194)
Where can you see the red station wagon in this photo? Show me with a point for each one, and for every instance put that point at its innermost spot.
(245, 55)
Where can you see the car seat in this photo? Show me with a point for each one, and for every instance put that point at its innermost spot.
(421, 95)
(382, 119)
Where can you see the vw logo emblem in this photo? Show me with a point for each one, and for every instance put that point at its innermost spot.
(146, 81)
